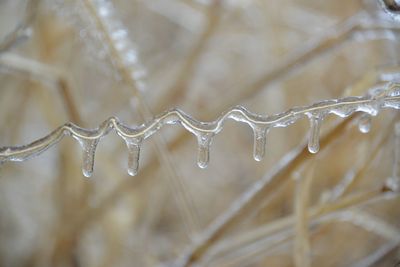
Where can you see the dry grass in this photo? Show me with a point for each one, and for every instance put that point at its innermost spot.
(333, 208)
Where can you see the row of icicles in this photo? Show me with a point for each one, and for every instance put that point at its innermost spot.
(370, 104)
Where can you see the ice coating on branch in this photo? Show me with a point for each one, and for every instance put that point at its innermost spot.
(370, 104)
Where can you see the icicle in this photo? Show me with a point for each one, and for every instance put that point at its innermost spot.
(89, 150)
(203, 156)
(364, 124)
(133, 155)
(260, 136)
(313, 139)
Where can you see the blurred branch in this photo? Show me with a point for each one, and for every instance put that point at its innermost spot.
(47, 75)
(21, 30)
(178, 90)
(301, 202)
(318, 214)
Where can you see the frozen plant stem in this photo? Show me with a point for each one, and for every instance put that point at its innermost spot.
(377, 99)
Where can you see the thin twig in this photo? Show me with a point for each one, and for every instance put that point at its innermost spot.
(302, 197)
(21, 30)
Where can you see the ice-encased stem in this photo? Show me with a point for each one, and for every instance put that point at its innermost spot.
(386, 97)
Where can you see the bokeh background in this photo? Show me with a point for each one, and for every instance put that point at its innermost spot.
(86, 60)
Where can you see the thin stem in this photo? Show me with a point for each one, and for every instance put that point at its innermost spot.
(302, 198)
(342, 107)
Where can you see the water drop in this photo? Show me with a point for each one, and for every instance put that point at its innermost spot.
(313, 139)
(203, 156)
(259, 142)
(364, 124)
(89, 149)
(133, 155)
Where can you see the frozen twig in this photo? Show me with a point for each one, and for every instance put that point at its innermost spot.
(371, 104)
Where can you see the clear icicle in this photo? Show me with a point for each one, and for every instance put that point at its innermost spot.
(133, 155)
(203, 156)
(313, 139)
(89, 150)
(260, 136)
(364, 124)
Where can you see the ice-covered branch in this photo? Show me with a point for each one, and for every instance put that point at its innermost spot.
(370, 104)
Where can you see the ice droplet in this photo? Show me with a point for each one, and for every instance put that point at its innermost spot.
(203, 156)
(89, 149)
(260, 136)
(313, 139)
(364, 124)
